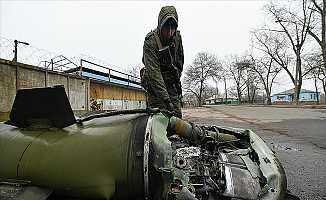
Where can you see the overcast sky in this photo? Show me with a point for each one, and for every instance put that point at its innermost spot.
(115, 31)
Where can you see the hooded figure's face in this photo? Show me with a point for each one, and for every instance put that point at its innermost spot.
(168, 29)
(167, 22)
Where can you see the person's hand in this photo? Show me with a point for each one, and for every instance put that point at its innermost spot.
(170, 107)
(167, 113)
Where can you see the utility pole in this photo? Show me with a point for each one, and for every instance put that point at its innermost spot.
(15, 51)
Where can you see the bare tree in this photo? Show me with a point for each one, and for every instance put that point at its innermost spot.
(294, 25)
(252, 82)
(189, 99)
(209, 92)
(204, 67)
(134, 72)
(225, 90)
(315, 71)
(237, 72)
(321, 75)
(267, 70)
(314, 76)
(274, 46)
(224, 76)
(216, 90)
(317, 29)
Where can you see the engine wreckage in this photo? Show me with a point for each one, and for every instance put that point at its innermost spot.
(45, 153)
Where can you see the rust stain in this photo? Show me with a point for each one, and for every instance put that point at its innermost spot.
(99, 91)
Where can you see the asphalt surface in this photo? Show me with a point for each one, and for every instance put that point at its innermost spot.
(297, 135)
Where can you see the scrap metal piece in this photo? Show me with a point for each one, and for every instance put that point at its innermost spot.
(42, 107)
(136, 158)
(184, 155)
(19, 190)
(236, 177)
(147, 141)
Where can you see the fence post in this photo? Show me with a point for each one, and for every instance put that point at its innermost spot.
(109, 75)
(81, 67)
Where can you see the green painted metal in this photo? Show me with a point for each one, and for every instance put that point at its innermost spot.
(80, 160)
(96, 158)
(161, 143)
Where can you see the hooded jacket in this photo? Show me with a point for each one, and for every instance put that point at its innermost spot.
(160, 79)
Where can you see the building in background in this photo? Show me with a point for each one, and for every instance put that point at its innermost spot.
(220, 99)
(87, 88)
(306, 96)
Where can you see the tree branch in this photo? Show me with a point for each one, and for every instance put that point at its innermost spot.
(317, 6)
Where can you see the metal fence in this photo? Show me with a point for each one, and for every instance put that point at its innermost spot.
(83, 65)
(96, 71)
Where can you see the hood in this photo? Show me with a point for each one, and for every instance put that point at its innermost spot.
(166, 13)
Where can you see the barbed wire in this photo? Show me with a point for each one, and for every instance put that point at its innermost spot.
(32, 55)
(27, 54)
(6, 48)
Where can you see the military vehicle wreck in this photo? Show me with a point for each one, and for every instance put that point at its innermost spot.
(45, 153)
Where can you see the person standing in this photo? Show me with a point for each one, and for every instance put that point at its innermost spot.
(163, 59)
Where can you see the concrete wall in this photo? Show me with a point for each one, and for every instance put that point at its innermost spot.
(80, 91)
(7, 87)
(14, 76)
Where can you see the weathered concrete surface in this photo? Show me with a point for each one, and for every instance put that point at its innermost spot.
(297, 135)
(80, 90)
(14, 76)
(30, 78)
(7, 87)
(57, 79)
(77, 99)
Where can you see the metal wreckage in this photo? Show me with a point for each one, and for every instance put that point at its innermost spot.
(45, 153)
